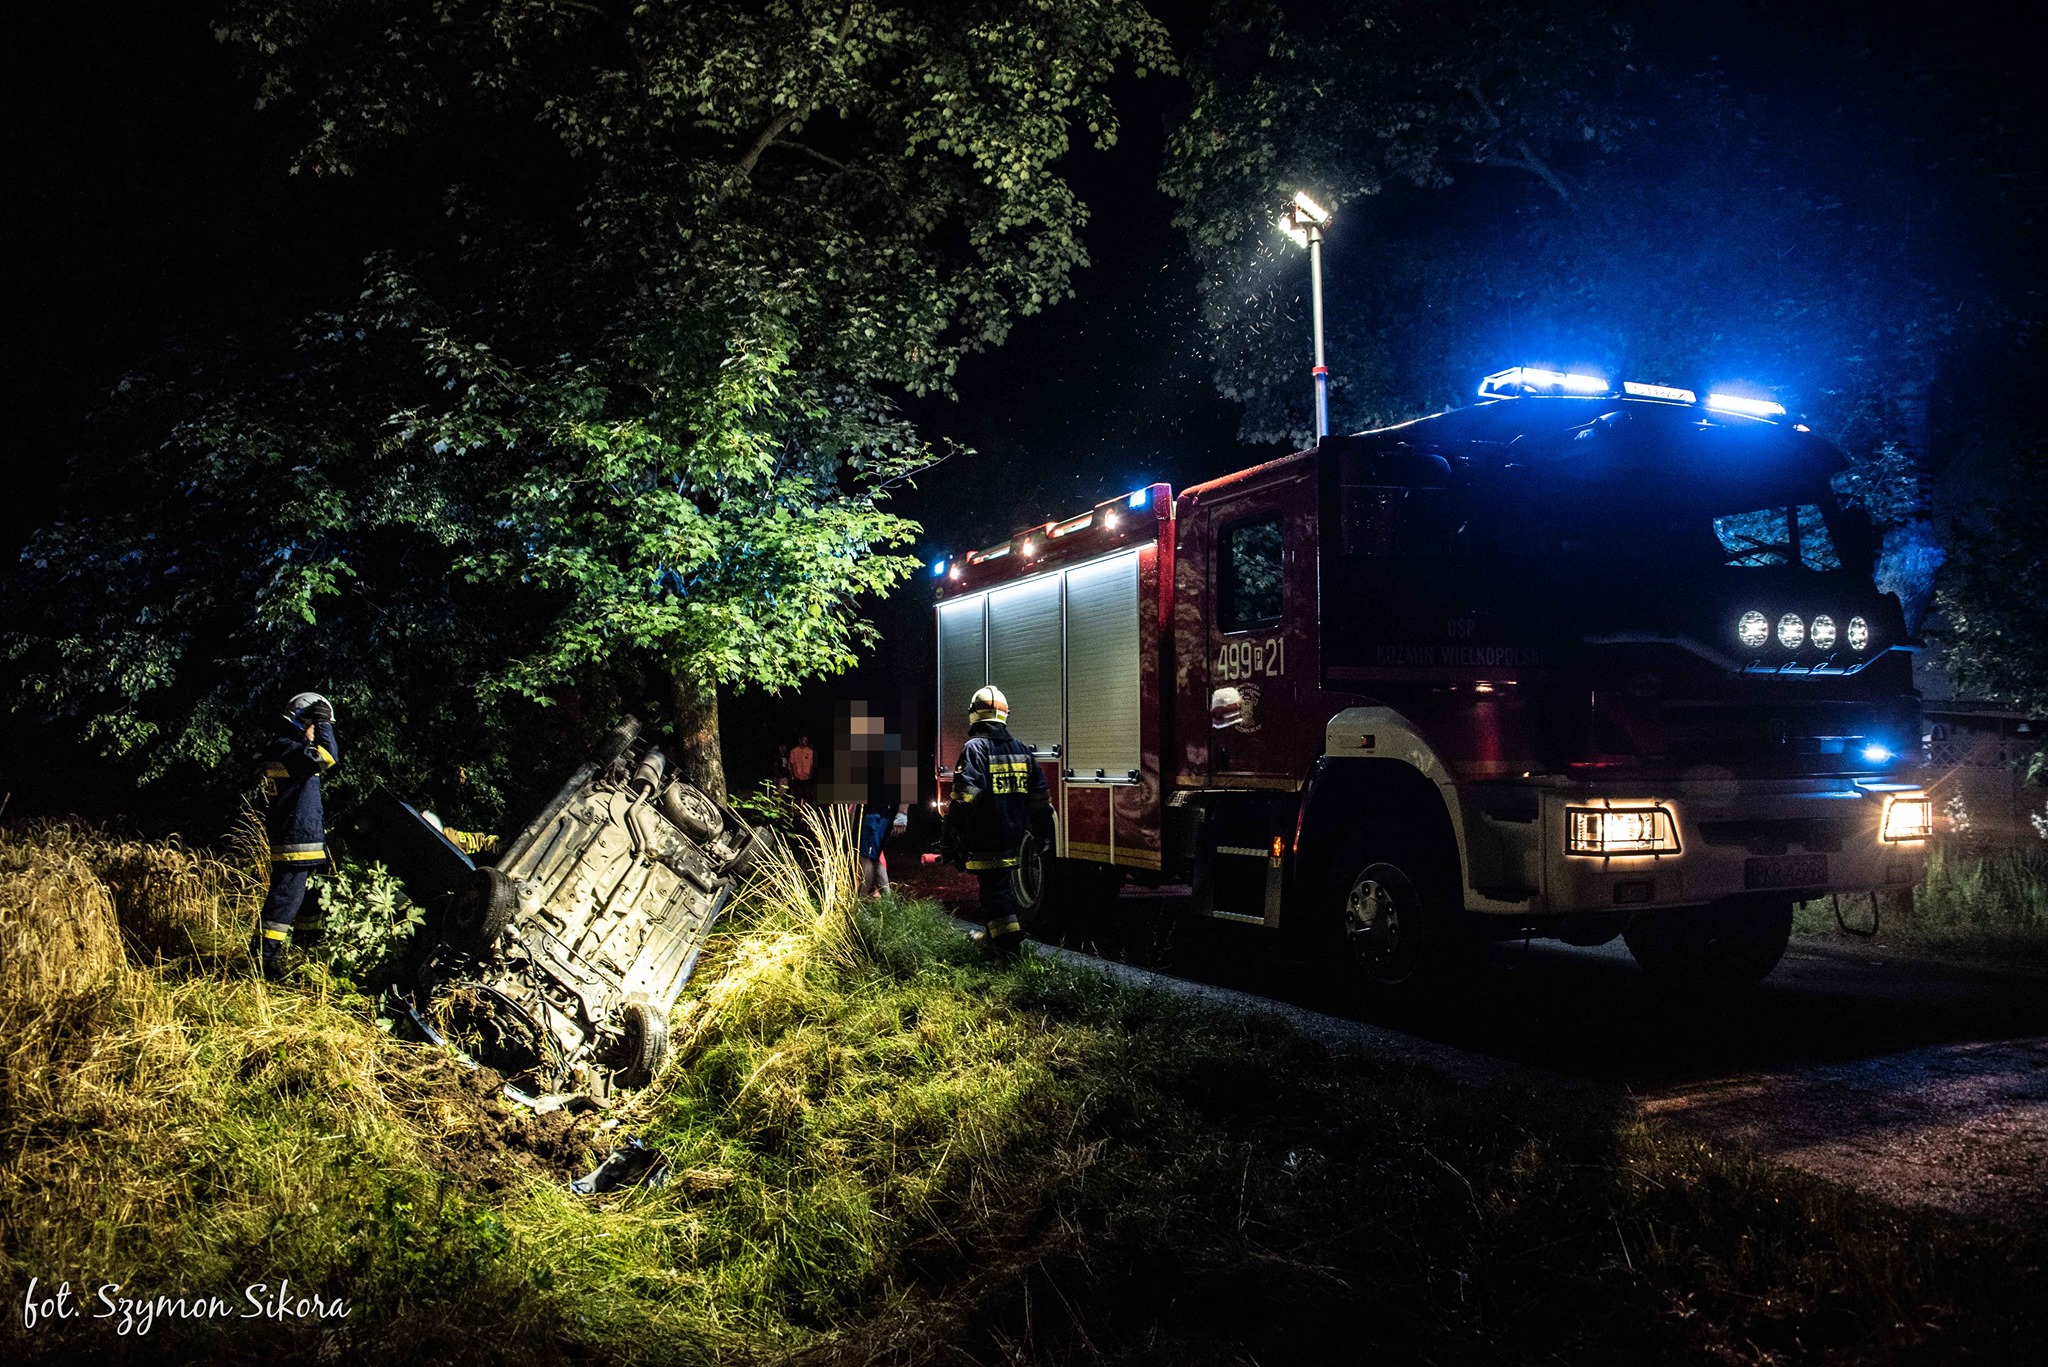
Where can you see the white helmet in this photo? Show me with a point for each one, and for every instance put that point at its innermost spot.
(306, 708)
(988, 705)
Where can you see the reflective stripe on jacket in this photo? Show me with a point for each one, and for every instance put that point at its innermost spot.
(995, 786)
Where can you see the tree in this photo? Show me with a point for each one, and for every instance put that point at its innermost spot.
(626, 404)
(1725, 195)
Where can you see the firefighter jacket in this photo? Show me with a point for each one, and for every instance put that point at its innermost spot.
(996, 787)
(297, 821)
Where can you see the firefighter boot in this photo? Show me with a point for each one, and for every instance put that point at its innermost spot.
(1002, 938)
(272, 941)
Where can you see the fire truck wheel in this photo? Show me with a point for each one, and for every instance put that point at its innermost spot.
(1400, 934)
(1079, 896)
(1713, 949)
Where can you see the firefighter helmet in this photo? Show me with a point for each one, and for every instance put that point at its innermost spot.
(307, 708)
(988, 705)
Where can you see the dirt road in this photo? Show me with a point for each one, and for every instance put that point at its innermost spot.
(1915, 1080)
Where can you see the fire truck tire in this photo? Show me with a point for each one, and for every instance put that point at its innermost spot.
(1079, 895)
(1716, 949)
(1398, 920)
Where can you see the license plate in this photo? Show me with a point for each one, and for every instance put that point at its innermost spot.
(1786, 871)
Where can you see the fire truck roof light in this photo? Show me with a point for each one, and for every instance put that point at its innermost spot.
(938, 567)
(1737, 403)
(1525, 379)
(1139, 498)
(1669, 392)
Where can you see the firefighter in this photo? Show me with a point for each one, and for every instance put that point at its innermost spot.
(303, 749)
(998, 796)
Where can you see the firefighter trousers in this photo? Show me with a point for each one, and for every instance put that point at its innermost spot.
(281, 908)
(999, 909)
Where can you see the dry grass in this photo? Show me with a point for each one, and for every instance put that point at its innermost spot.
(885, 1151)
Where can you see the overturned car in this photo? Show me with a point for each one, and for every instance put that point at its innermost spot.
(558, 962)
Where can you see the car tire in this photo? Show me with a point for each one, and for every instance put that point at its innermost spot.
(1714, 949)
(479, 913)
(646, 1045)
(759, 844)
(1397, 918)
(613, 747)
(692, 813)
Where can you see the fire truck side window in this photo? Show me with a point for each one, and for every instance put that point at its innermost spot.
(1248, 575)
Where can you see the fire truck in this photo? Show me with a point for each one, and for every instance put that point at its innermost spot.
(1578, 660)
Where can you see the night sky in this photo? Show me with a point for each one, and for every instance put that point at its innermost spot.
(151, 202)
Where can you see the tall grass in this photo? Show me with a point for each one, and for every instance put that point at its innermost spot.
(882, 1150)
(1981, 901)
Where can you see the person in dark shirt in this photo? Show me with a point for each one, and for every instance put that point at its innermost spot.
(998, 792)
(304, 748)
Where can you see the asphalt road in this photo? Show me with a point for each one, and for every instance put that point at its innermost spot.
(1592, 1013)
(1916, 1079)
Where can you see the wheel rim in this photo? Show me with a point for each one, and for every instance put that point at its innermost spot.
(1383, 923)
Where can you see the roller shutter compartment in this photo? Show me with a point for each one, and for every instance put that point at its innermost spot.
(1102, 669)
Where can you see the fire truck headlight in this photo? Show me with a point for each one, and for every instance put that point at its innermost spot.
(1909, 818)
(1823, 632)
(1858, 634)
(1754, 630)
(1791, 631)
(1620, 830)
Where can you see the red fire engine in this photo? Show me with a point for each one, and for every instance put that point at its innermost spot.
(1575, 661)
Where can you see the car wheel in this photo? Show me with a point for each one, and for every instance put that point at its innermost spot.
(1713, 948)
(645, 1047)
(480, 912)
(752, 853)
(613, 747)
(694, 814)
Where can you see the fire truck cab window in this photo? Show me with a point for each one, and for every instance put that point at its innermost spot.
(1789, 535)
(1248, 575)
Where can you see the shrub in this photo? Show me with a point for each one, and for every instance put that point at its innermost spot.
(365, 924)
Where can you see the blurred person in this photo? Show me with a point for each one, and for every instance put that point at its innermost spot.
(782, 768)
(998, 796)
(803, 763)
(304, 748)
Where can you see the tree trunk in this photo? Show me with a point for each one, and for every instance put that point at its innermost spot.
(697, 757)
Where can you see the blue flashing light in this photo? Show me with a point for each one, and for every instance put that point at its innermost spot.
(1738, 403)
(1876, 754)
(1140, 498)
(1526, 379)
(938, 567)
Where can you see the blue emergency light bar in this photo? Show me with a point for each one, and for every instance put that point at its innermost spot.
(938, 567)
(1139, 498)
(1516, 381)
(1737, 403)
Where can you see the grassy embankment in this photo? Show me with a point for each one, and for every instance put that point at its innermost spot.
(884, 1151)
(1987, 902)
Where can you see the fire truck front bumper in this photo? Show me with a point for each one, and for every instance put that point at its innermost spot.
(1606, 850)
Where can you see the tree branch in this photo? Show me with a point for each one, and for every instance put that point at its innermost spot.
(1528, 161)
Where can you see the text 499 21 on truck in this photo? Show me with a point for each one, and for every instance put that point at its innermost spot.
(1580, 660)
